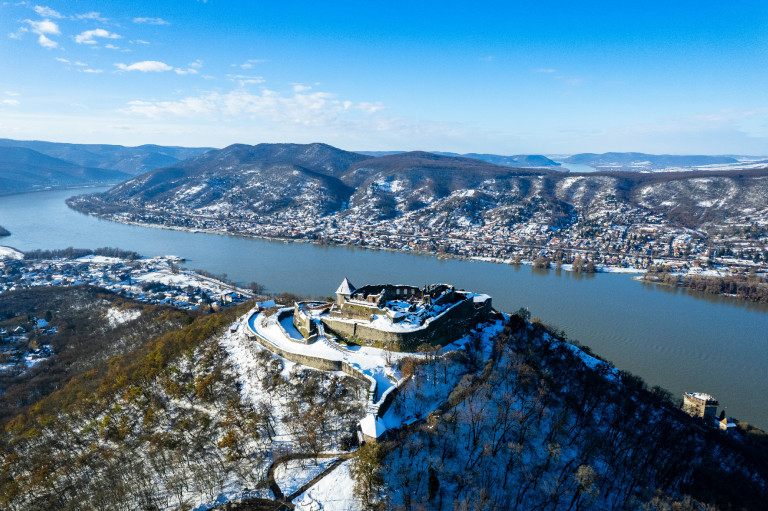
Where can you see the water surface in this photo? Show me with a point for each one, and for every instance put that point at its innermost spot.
(671, 337)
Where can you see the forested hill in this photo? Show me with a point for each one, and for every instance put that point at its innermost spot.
(25, 170)
(271, 181)
(172, 410)
(131, 160)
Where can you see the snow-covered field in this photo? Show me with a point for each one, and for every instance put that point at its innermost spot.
(334, 492)
(293, 474)
(10, 253)
(117, 316)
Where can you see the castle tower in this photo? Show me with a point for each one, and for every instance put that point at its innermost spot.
(344, 292)
(698, 404)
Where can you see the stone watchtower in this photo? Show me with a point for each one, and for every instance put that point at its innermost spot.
(698, 404)
(344, 292)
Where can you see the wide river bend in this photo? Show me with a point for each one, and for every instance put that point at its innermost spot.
(674, 338)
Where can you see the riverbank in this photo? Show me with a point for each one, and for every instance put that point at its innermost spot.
(670, 337)
(731, 292)
(749, 287)
(439, 255)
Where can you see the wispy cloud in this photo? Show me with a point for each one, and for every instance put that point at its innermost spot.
(94, 71)
(248, 64)
(19, 33)
(313, 109)
(47, 43)
(244, 80)
(730, 114)
(89, 36)
(151, 21)
(43, 27)
(139, 41)
(146, 66)
(10, 102)
(192, 68)
(47, 12)
(367, 107)
(95, 16)
(571, 81)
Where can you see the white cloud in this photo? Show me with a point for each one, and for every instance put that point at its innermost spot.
(369, 108)
(111, 47)
(310, 109)
(12, 93)
(47, 43)
(545, 70)
(47, 12)
(9, 102)
(192, 68)
(248, 64)
(65, 61)
(95, 71)
(139, 41)
(88, 37)
(90, 16)
(43, 27)
(301, 88)
(18, 33)
(81, 64)
(146, 66)
(151, 21)
(244, 80)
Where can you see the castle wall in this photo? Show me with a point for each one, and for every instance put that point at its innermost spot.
(391, 292)
(318, 363)
(699, 407)
(357, 311)
(302, 322)
(444, 329)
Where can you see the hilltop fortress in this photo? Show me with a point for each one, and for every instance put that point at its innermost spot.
(394, 317)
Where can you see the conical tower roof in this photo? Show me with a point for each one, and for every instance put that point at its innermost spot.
(346, 288)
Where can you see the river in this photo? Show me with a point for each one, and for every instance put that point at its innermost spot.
(671, 337)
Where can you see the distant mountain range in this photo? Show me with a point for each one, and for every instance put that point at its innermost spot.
(131, 160)
(645, 162)
(24, 170)
(314, 180)
(37, 165)
(518, 160)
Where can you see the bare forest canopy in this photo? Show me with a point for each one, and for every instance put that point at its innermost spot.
(272, 181)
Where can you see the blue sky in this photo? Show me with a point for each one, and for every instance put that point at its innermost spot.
(507, 77)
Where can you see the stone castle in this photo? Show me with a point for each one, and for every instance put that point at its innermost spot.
(698, 404)
(394, 317)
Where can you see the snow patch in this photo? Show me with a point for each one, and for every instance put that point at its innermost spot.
(334, 492)
(10, 253)
(117, 316)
